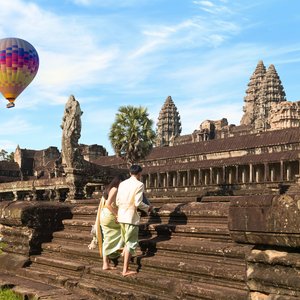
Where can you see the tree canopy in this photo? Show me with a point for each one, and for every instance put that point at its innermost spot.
(131, 134)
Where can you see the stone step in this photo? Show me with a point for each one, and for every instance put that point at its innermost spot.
(160, 201)
(187, 209)
(215, 199)
(60, 263)
(79, 223)
(196, 246)
(128, 290)
(217, 229)
(75, 250)
(168, 260)
(220, 232)
(193, 291)
(73, 235)
(109, 284)
(166, 281)
(191, 266)
(29, 288)
(178, 247)
(86, 210)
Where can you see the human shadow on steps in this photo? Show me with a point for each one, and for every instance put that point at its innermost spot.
(156, 231)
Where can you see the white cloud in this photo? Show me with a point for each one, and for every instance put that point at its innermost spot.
(16, 126)
(109, 3)
(82, 2)
(213, 8)
(8, 145)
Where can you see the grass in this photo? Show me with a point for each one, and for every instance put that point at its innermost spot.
(7, 294)
(2, 245)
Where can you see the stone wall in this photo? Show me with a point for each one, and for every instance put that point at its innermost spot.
(272, 224)
(24, 226)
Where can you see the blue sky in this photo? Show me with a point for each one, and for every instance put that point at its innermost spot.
(109, 53)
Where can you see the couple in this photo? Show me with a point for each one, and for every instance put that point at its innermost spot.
(119, 218)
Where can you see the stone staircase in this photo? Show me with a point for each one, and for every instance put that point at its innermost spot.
(185, 253)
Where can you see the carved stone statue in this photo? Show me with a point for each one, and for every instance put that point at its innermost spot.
(71, 126)
(72, 160)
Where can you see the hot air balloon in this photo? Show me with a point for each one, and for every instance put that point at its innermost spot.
(19, 63)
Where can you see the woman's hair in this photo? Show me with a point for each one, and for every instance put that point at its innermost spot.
(114, 183)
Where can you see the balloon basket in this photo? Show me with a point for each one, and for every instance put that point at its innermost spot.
(10, 105)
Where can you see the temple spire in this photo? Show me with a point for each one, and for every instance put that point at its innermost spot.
(252, 94)
(169, 125)
(271, 91)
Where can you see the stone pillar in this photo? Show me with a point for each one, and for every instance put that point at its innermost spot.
(236, 174)
(16, 197)
(250, 173)
(230, 176)
(281, 170)
(205, 178)
(272, 171)
(244, 175)
(184, 179)
(168, 179)
(288, 172)
(158, 180)
(217, 176)
(266, 170)
(224, 175)
(178, 179)
(76, 182)
(210, 175)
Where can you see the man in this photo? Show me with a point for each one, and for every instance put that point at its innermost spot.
(129, 199)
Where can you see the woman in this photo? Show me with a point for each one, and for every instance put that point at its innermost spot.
(112, 241)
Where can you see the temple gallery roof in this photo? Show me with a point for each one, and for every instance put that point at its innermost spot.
(243, 142)
(268, 138)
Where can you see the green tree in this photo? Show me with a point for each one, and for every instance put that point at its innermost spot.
(11, 156)
(3, 154)
(131, 135)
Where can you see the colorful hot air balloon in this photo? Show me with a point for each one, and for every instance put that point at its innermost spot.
(19, 63)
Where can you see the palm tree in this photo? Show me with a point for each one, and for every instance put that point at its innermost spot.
(131, 134)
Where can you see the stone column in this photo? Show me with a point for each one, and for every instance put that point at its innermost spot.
(266, 175)
(188, 183)
(76, 182)
(158, 180)
(288, 172)
(250, 173)
(178, 178)
(224, 175)
(281, 171)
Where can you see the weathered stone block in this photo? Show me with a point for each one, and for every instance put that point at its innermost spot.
(265, 219)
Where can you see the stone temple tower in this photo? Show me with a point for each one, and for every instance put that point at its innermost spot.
(264, 89)
(271, 91)
(252, 94)
(168, 125)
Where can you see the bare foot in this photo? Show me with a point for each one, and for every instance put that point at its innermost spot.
(109, 268)
(129, 273)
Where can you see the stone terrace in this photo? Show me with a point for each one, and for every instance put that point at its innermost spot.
(186, 253)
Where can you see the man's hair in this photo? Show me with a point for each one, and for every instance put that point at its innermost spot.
(135, 169)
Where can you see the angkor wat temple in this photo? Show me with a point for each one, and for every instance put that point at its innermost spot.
(227, 201)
